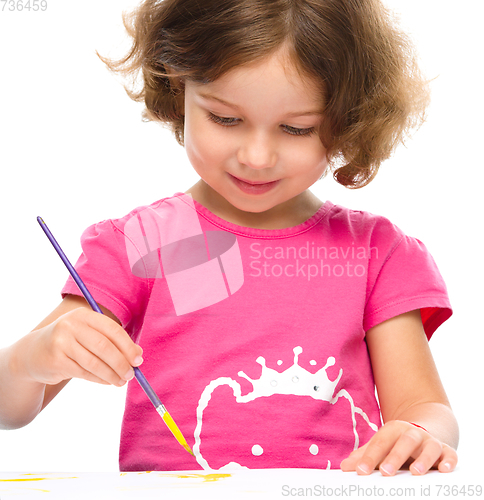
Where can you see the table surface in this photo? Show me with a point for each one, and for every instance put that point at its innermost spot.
(235, 484)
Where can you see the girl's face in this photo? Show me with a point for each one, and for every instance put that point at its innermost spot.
(252, 136)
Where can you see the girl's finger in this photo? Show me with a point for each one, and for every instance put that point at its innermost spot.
(76, 371)
(101, 357)
(448, 460)
(349, 463)
(377, 449)
(117, 335)
(90, 363)
(431, 451)
(409, 444)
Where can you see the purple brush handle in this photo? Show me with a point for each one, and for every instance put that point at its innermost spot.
(70, 267)
(147, 387)
(87, 295)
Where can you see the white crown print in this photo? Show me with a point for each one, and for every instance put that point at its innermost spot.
(294, 381)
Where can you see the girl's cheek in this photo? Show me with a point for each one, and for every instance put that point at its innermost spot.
(307, 156)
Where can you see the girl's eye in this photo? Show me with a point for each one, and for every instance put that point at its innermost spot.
(298, 131)
(230, 122)
(221, 120)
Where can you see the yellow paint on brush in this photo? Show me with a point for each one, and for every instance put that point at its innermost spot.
(176, 432)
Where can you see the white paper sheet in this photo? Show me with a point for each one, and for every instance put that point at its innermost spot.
(239, 484)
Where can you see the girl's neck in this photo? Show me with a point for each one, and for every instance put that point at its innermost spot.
(287, 214)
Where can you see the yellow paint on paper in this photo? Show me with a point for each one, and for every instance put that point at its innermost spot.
(206, 477)
(35, 479)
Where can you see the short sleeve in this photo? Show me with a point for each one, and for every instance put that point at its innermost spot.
(104, 268)
(406, 278)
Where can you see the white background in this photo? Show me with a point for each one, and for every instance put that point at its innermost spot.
(75, 151)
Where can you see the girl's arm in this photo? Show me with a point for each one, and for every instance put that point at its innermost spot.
(409, 390)
(73, 341)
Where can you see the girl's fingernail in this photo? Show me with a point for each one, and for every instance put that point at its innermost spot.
(387, 469)
(418, 467)
(129, 375)
(363, 468)
(138, 361)
(446, 467)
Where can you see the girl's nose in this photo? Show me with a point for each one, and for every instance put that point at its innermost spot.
(257, 151)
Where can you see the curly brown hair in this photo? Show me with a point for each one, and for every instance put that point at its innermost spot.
(372, 89)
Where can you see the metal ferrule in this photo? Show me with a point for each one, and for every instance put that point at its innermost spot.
(161, 410)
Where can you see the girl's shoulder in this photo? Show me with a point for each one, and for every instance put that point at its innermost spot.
(362, 224)
(161, 208)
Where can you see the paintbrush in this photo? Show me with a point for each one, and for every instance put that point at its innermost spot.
(160, 408)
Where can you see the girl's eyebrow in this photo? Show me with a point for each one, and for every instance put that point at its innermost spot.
(237, 108)
(221, 101)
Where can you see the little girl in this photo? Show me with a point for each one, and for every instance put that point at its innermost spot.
(262, 316)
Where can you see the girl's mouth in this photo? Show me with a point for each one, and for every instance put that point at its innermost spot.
(253, 187)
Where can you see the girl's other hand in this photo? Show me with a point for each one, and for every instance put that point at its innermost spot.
(398, 444)
(79, 343)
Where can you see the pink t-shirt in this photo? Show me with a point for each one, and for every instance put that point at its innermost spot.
(254, 339)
